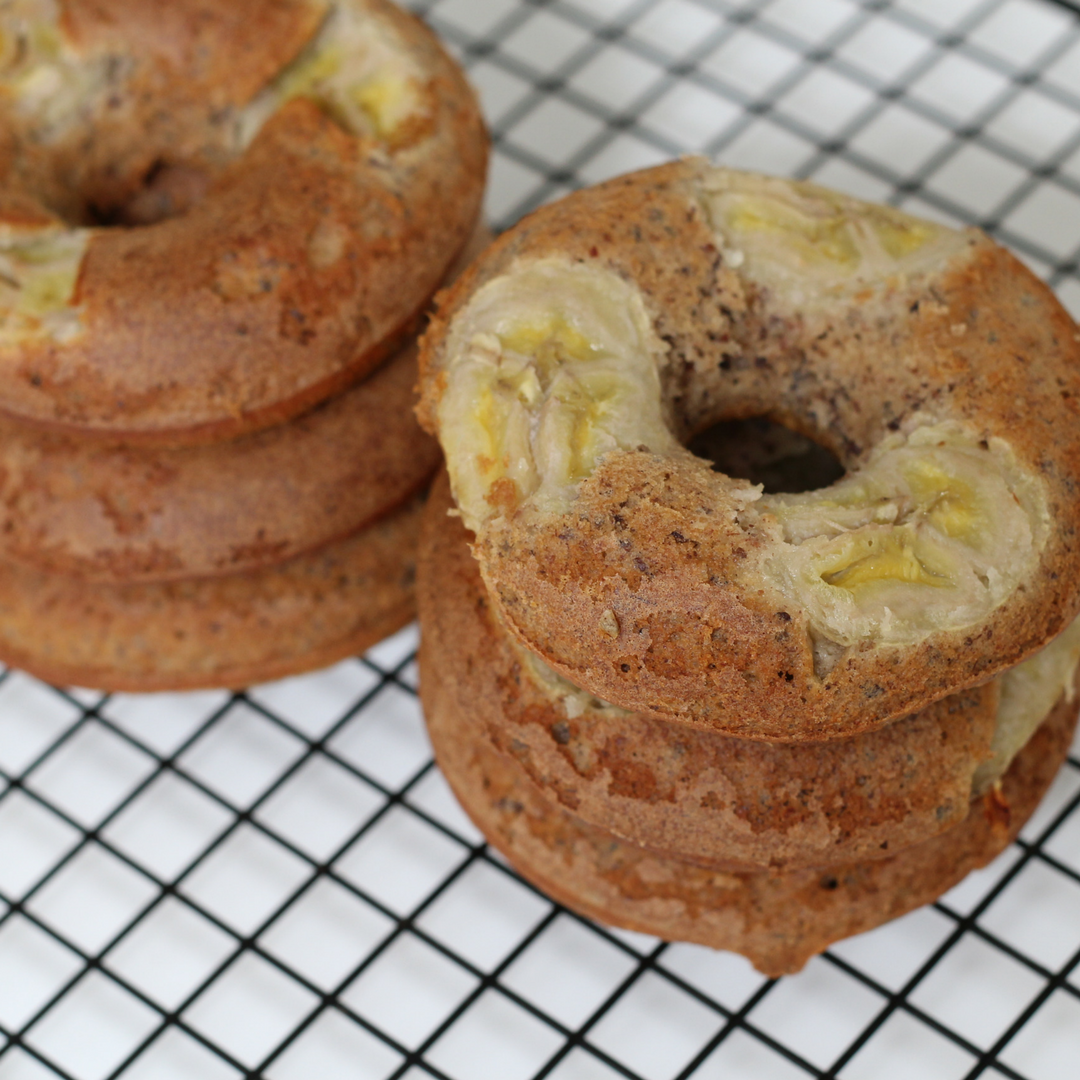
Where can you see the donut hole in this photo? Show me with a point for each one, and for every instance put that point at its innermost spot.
(120, 189)
(765, 452)
(167, 190)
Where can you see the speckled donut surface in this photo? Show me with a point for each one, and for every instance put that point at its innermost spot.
(214, 632)
(713, 799)
(938, 369)
(777, 920)
(291, 180)
(125, 514)
(121, 514)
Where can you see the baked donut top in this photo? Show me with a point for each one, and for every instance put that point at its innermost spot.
(302, 174)
(555, 364)
(565, 374)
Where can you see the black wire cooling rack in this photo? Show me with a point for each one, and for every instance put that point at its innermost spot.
(278, 883)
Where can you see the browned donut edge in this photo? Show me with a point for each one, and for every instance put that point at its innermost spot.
(777, 920)
(723, 802)
(217, 632)
(737, 658)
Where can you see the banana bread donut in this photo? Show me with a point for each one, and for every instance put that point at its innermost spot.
(716, 800)
(777, 920)
(326, 161)
(564, 371)
(228, 631)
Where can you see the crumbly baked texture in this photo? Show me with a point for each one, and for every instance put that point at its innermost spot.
(318, 216)
(227, 631)
(662, 586)
(121, 514)
(777, 920)
(720, 801)
(125, 514)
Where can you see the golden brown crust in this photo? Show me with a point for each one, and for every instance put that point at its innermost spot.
(723, 802)
(120, 514)
(228, 631)
(777, 920)
(700, 640)
(305, 264)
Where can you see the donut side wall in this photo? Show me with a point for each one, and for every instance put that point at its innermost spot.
(107, 513)
(698, 636)
(724, 802)
(231, 631)
(777, 920)
(101, 512)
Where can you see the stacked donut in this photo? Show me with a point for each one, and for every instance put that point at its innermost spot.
(219, 227)
(678, 703)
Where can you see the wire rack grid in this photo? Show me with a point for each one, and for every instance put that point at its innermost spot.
(278, 883)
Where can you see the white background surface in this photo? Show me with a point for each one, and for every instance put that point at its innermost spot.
(278, 883)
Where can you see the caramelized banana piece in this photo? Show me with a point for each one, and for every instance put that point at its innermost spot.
(933, 533)
(554, 366)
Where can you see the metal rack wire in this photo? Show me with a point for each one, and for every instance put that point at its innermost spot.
(278, 884)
